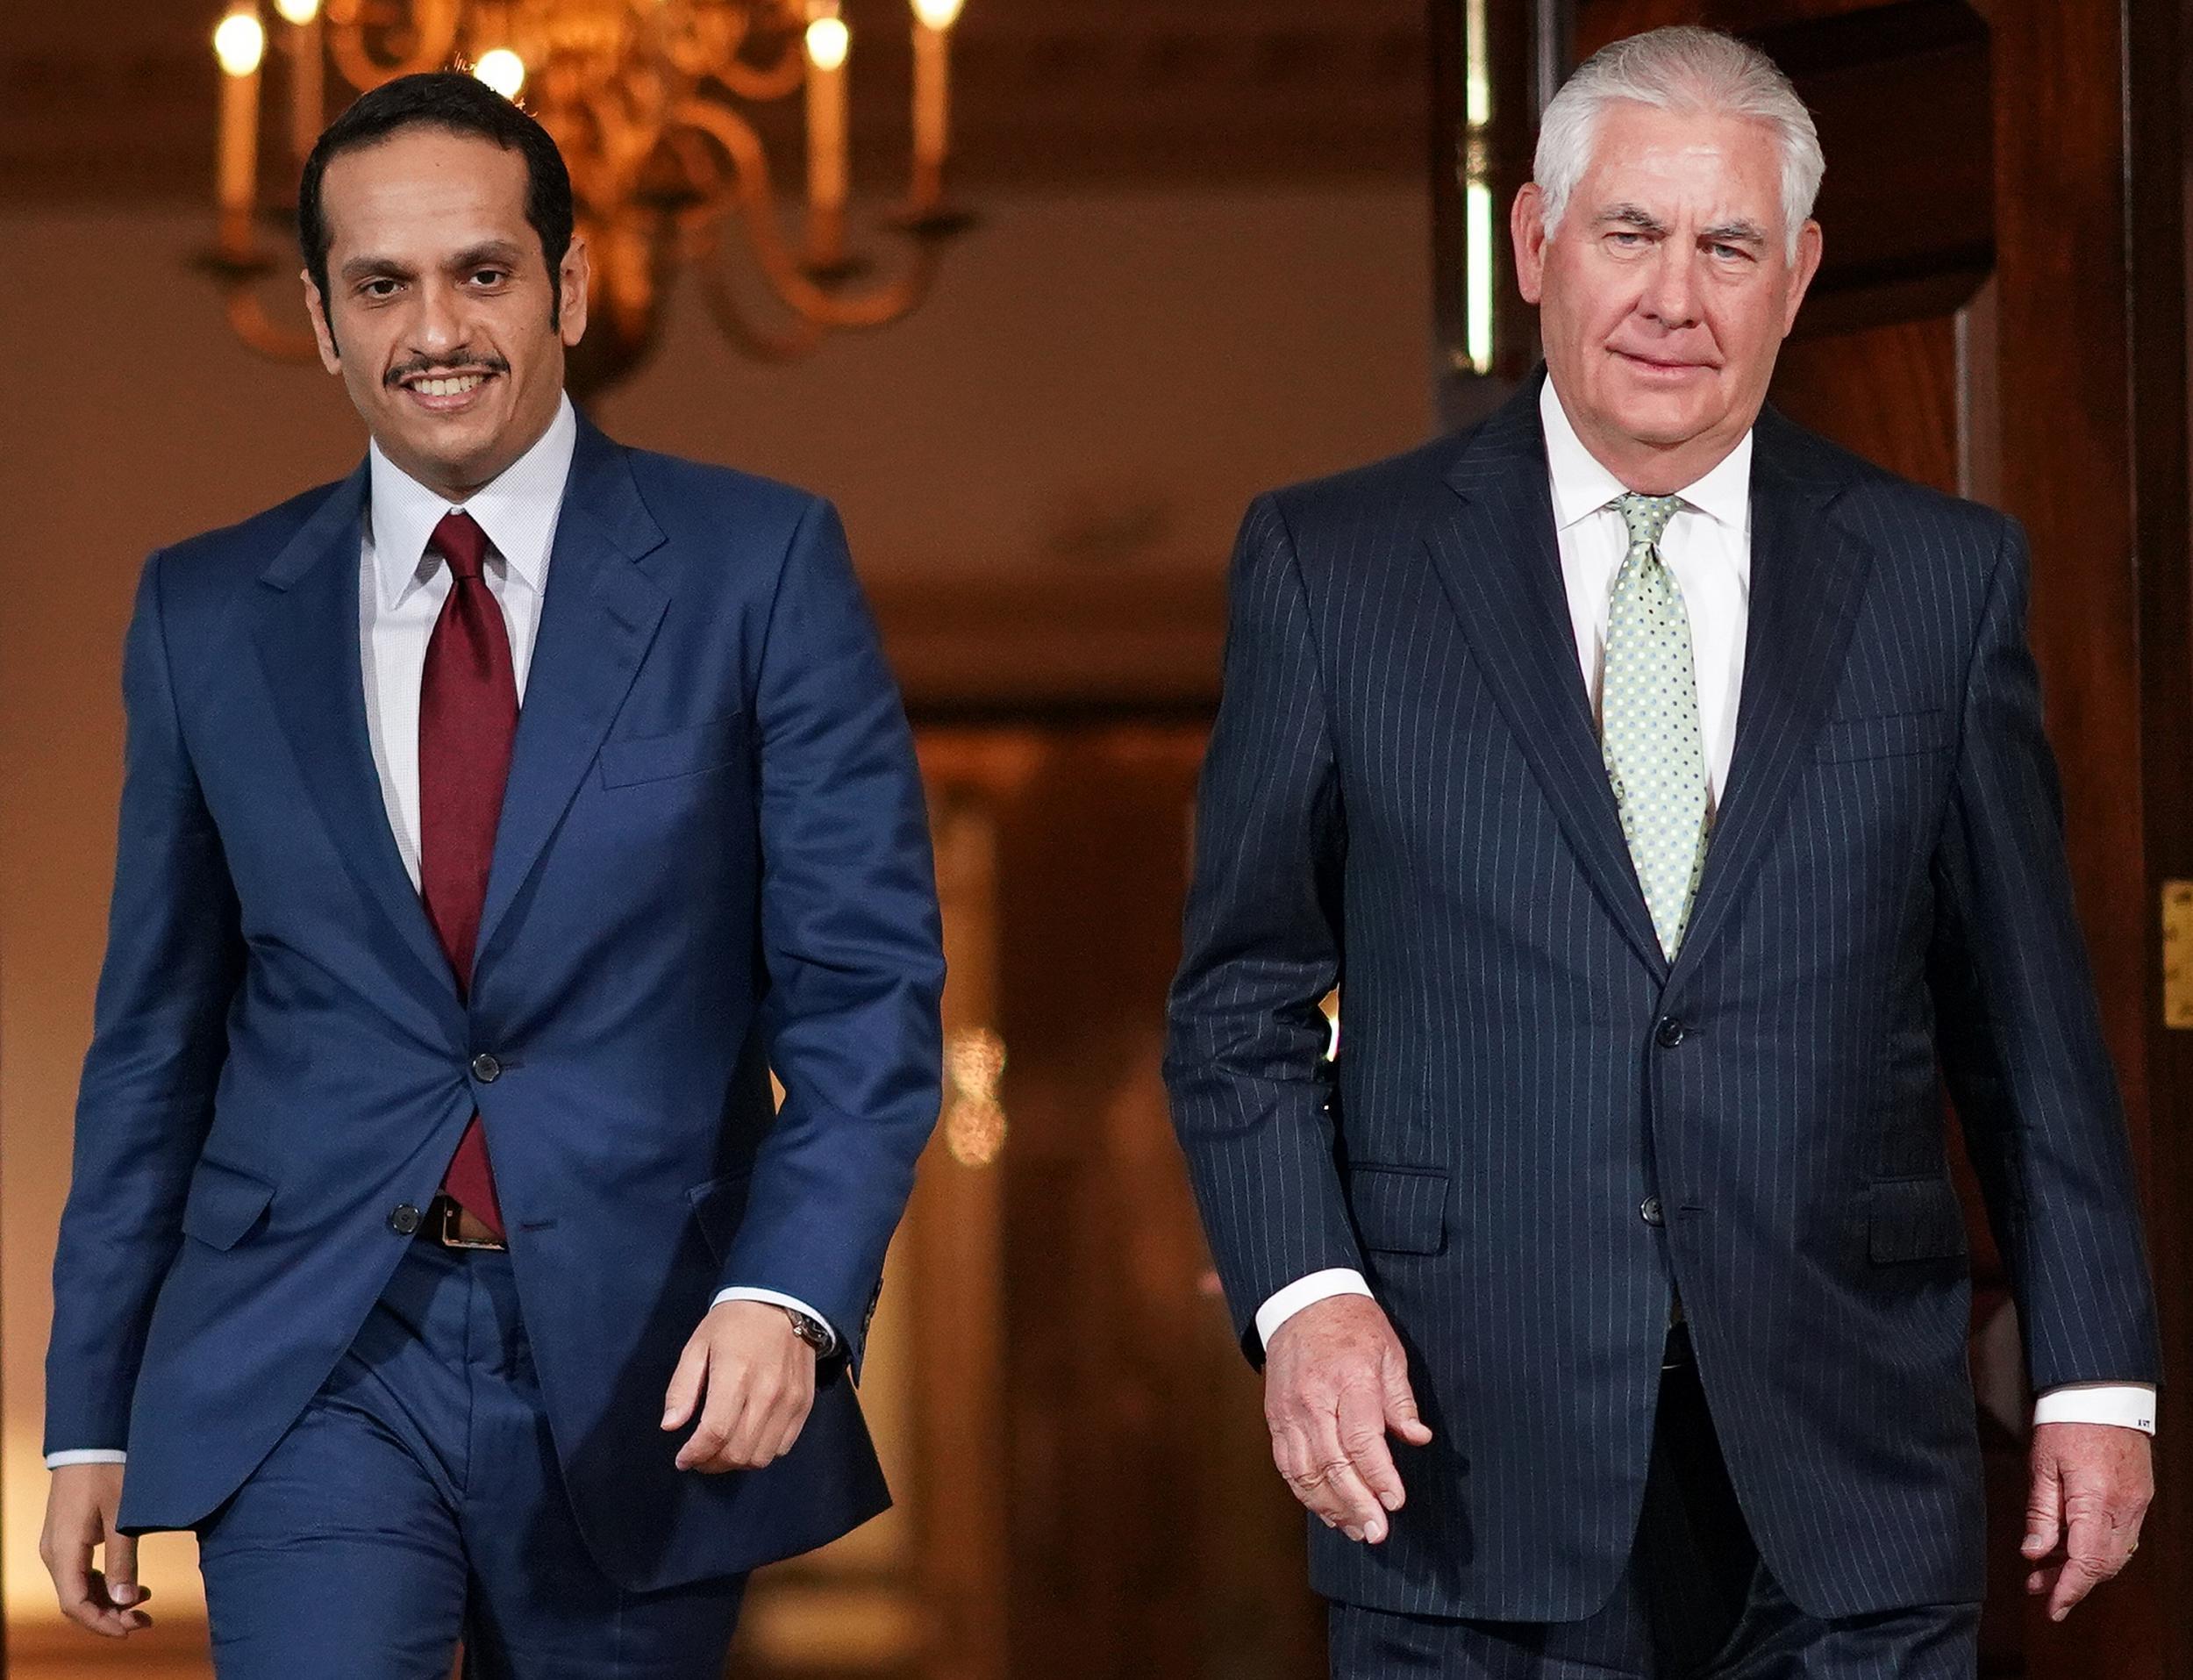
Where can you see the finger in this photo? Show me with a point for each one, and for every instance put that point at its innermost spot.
(121, 1569)
(788, 1437)
(113, 1618)
(687, 1383)
(1298, 1466)
(1401, 1403)
(1358, 1506)
(2044, 1511)
(761, 1421)
(719, 1415)
(1363, 1429)
(2087, 1567)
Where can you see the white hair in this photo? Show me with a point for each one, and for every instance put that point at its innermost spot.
(1680, 68)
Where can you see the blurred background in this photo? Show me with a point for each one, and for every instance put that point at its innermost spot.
(1041, 292)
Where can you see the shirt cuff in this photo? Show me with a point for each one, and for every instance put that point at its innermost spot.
(793, 1301)
(86, 1455)
(2127, 1405)
(1306, 1291)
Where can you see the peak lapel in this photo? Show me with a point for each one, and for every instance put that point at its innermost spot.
(1808, 577)
(305, 629)
(1497, 555)
(597, 618)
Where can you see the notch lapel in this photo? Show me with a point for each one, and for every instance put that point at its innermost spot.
(1497, 555)
(1808, 577)
(305, 629)
(597, 620)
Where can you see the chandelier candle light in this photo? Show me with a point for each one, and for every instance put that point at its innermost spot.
(654, 103)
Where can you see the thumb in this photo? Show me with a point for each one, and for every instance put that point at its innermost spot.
(2043, 1508)
(684, 1393)
(1400, 1402)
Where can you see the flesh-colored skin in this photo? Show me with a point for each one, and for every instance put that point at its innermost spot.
(1666, 290)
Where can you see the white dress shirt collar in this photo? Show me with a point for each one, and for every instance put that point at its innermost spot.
(1583, 485)
(517, 509)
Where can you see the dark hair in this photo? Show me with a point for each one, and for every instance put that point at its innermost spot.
(463, 104)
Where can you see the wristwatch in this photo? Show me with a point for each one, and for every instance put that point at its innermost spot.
(813, 1332)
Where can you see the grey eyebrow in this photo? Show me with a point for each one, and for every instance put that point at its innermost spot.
(1738, 232)
(1633, 215)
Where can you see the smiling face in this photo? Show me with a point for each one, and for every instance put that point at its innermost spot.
(438, 309)
(1666, 290)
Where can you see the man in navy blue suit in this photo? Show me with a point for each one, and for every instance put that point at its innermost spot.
(1664, 790)
(495, 821)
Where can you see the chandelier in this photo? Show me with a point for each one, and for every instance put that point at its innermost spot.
(654, 104)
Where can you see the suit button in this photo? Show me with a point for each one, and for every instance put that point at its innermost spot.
(486, 1069)
(1670, 1033)
(404, 1221)
(1649, 1210)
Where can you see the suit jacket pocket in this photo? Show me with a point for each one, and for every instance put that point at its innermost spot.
(225, 1203)
(720, 1207)
(1886, 737)
(1399, 1210)
(683, 752)
(1915, 1219)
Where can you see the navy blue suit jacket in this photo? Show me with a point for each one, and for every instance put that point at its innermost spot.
(1404, 798)
(712, 859)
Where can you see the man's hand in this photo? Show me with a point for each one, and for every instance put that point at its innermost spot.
(80, 1507)
(2092, 1483)
(758, 1378)
(1335, 1381)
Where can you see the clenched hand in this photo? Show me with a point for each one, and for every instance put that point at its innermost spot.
(752, 1380)
(2092, 1483)
(1336, 1379)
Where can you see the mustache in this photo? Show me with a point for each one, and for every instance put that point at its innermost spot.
(427, 367)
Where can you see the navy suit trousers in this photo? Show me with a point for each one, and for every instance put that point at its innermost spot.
(418, 1502)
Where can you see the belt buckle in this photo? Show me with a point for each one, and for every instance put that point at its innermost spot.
(451, 1236)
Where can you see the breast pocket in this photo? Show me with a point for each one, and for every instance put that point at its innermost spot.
(627, 762)
(1893, 736)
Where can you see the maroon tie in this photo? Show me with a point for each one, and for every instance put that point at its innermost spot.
(468, 717)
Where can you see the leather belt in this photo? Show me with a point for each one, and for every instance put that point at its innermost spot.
(449, 1224)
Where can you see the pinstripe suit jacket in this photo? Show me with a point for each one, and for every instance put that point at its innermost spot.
(1404, 797)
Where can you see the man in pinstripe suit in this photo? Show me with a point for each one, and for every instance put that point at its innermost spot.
(1670, 787)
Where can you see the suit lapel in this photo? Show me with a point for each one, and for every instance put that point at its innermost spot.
(597, 618)
(305, 628)
(1496, 556)
(1808, 577)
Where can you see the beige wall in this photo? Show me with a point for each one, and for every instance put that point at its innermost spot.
(1094, 375)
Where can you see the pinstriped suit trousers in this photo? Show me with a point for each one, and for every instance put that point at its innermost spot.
(1696, 1603)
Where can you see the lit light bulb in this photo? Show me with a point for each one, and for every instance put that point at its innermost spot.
(298, 11)
(828, 42)
(239, 43)
(502, 70)
(939, 14)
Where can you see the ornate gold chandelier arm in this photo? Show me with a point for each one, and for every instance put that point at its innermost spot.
(435, 22)
(756, 200)
(715, 56)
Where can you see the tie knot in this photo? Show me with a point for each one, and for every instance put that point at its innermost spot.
(1646, 516)
(459, 540)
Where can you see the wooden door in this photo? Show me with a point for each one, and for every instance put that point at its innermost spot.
(2001, 314)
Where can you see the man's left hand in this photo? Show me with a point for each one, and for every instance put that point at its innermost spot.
(752, 1380)
(2092, 1483)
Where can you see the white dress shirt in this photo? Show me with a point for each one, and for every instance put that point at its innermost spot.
(1707, 548)
(401, 588)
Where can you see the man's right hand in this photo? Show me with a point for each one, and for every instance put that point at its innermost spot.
(80, 1507)
(1336, 1379)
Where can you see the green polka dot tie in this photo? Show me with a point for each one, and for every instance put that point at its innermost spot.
(1648, 722)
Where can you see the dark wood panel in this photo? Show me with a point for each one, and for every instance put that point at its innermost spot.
(1890, 393)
